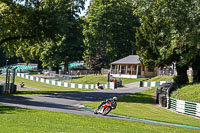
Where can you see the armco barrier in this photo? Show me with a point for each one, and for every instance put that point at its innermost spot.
(186, 107)
(152, 84)
(64, 84)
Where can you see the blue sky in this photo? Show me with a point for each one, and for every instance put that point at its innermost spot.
(86, 7)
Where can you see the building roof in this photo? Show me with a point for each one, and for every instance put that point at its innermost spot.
(131, 59)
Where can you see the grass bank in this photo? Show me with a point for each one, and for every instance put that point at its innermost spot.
(140, 105)
(20, 120)
(160, 78)
(43, 87)
(93, 79)
(188, 93)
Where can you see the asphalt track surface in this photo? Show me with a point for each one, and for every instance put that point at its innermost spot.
(66, 102)
(72, 102)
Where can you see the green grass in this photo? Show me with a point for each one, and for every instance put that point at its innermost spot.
(18, 120)
(127, 81)
(93, 79)
(43, 87)
(140, 105)
(188, 93)
(160, 78)
(90, 79)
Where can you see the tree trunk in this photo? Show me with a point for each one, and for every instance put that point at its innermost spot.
(57, 69)
(182, 77)
(66, 69)
(196, 71)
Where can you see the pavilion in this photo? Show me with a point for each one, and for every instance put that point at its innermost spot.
(131, 67)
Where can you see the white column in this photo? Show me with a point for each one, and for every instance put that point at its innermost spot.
(111, 68)
(126, 68)
(117, 69)
(120, 69)
(137, 71)
(131, 69)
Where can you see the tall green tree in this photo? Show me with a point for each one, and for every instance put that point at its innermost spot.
(109, 31)
(33, 26)
(68, 48)
(168, 33)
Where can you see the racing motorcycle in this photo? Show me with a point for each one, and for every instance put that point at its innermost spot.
(22, 84)
(106, 107)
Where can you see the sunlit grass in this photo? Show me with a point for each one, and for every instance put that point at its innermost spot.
(93, 79)
(43, 88)
(141, 105)
(160, 78)
(188, 93)
(18, 120)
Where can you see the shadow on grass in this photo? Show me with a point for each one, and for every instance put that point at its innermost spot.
(42, 92)
(35, 102)
(77, 77)
(12, 110)
(137, 98)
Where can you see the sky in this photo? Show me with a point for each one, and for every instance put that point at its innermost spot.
(86, 7)
(82, 12)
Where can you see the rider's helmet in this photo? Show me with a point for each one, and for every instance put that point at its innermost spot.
(115, 98)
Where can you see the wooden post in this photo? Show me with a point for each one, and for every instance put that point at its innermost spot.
(126, 69)
(137, 71)
(120, 69)
(131, 69)
(117, 69)
(111, 68)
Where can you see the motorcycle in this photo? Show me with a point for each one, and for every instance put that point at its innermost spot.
(22, 84)
(105, 108)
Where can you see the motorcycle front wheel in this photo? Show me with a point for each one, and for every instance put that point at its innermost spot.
(106, 110)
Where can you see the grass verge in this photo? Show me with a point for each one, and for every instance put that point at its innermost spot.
(188, 93)
(43, 87)
(140, 105)
(93, 79)
(20, 120)
(160, 78)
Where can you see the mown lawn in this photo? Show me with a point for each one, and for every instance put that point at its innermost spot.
(127, 81)
(90, 79)
(43, 87)
(160, 78)
(18, 120)
(188, 93)
(140, 105)
(93, 79)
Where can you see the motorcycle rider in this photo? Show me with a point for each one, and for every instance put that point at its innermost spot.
(22, 84)
(113, 100)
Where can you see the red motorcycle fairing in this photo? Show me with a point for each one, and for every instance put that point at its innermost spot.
(106, 105)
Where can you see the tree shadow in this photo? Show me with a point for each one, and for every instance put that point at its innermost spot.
(77, 77)
(12, 110)
(27, 102)
(42, 92)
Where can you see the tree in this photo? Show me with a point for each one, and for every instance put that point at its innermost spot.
(69, 48)
(167, 33)
(34, 25)
(109, 31)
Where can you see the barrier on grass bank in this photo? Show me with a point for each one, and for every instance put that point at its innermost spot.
(65, 84)
(163, 98)
(186, 107)
(152, 84)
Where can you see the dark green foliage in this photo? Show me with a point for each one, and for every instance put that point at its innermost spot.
(41, 29)
(109, 31)
(168, 34)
